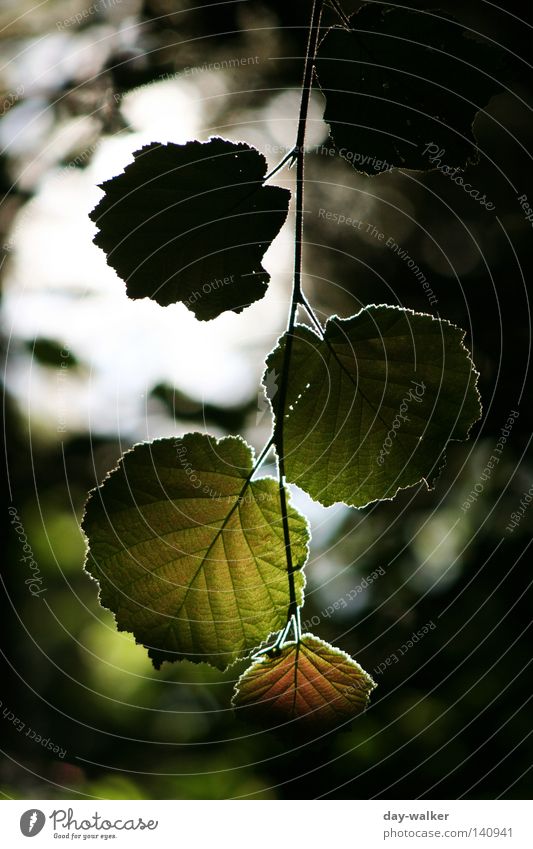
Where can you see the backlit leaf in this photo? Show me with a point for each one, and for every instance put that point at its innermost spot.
(311, 682)
(191, 223)
(402, 80)
(188, 558)
(370, 408)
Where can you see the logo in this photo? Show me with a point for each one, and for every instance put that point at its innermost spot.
(32, 822)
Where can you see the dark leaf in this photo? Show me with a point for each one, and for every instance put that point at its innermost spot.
(402, 80)
(191, 223)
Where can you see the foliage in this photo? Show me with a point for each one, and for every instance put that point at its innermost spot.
(157, 218)
(308, 681)
(193, 554)
(372, 404)
(189, 552)
(397, 80)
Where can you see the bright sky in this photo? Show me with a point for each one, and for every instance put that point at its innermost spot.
(59, 286)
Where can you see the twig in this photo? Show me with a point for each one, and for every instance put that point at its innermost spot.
(314, 28)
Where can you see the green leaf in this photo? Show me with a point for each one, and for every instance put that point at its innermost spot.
(402, 80)
(370, 408)
(191, 223)
(310, 681)
(188, 557)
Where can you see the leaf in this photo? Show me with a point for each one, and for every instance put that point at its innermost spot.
(370, 408)
(402, 80)
(187, 557)
(311, 681)
(191, 223)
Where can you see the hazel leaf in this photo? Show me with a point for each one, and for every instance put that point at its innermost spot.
(191, 223)
(403, 85)
(189, 554)
(312, 682)
(371, 407)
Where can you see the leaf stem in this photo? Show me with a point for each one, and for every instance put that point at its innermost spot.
(291, 154)
(299, 152)
(311, 313)
(344, 18)
(260, 459)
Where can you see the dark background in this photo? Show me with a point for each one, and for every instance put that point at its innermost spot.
(452, 718)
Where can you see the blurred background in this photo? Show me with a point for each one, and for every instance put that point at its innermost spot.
(87, 373)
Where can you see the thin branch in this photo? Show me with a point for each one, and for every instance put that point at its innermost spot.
(290, 155)
(311, 313)
(314, 29)
(261, 458)
(342, 15)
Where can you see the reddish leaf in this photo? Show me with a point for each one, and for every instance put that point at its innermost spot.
(309, 681)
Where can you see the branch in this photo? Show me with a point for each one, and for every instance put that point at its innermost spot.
(338, 9)
(314, 28)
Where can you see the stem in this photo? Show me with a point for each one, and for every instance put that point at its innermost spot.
(291, 154)
(300, 152)
(260, 459)
(311, 313)
(344, 18)
(296, 293)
